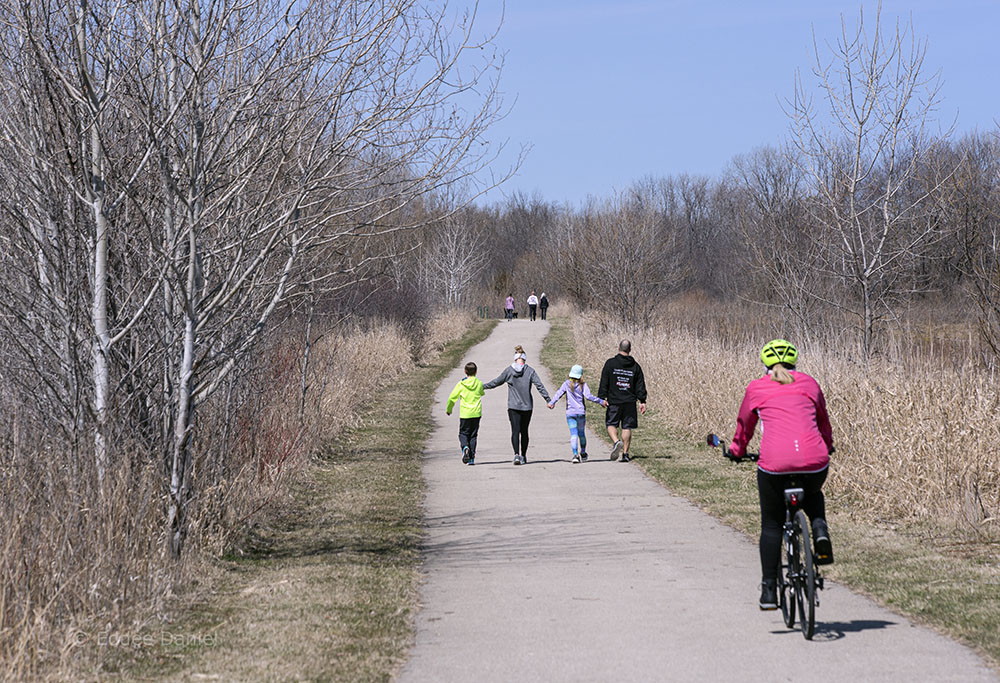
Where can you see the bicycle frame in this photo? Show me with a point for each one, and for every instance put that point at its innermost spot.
(798, 578)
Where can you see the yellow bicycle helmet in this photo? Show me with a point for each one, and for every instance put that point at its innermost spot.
(778, 351)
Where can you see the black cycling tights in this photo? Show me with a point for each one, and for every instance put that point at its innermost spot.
(519, 420)
(772, 511)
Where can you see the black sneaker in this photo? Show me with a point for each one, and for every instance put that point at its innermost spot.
(466, 455)
(524, 459)
(625, 457)
(583, 457)
(576, 458)
(821, 542)
(472, 460)
(769, 594)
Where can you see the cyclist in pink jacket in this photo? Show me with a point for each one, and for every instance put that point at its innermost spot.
(795, 447)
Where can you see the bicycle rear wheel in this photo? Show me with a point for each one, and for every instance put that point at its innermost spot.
(786, 590)
(805, 588)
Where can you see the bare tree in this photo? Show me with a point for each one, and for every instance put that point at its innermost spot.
(58, 132)
(972, 197)
(861, 156)
(203, 162)
(455, 258)
(776, 248)
(625, 258)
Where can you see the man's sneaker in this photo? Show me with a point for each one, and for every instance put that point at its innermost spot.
(466, 455)
(769, 594)
(821, 542)
(517, 459)
(625, 457)
(472, 460)
(583, 457)
(617, 450)
(576, 458)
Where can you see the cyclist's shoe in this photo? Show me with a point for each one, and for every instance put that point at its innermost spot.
(583, 457)
(821, 536)
(517, 459)
(576, 458)
(466, 455)
(769, 594)
(617, 450)
(625, 457)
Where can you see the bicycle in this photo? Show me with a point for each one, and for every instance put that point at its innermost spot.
(799, 578)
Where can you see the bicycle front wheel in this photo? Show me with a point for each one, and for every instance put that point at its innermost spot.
(805, 588)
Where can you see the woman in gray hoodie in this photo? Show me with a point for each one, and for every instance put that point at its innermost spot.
(519, 376)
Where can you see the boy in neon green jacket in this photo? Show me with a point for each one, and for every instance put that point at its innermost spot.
(470, 394)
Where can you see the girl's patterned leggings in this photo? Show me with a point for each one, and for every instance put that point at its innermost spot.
(577, 433)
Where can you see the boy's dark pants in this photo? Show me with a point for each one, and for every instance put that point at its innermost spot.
(468, 433)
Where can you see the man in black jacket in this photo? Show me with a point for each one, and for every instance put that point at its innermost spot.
(622, 384)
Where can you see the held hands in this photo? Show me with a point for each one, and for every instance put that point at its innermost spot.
(604, 403)
(551, 405)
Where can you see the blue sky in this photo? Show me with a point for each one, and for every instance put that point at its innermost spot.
(608, 92)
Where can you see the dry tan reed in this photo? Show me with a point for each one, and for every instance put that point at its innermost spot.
(73, 560)
(77, 565)
(917, 434)
(442, 329)
(353, 368)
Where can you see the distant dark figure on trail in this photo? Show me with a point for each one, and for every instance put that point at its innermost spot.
(543, 305)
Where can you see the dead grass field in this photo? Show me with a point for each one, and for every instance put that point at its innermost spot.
(88, 593)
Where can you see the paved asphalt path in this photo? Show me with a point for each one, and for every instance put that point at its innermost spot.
(592, 572)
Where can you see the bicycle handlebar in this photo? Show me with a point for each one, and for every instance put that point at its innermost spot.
(713, 441)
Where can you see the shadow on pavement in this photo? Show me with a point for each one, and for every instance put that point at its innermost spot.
(835, 630)
(487, 537)
(510, 461)
(533, 461)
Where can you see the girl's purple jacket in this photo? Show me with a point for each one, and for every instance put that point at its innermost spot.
(574, 399)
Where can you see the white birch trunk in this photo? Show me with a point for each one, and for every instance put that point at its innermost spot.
(96, 189)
